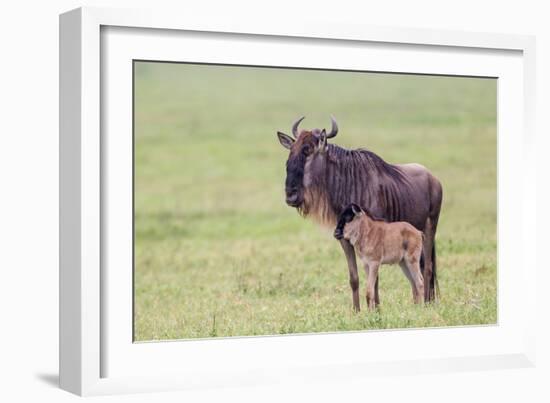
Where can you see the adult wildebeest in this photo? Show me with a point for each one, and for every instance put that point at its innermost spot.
(322, 179)
(379, 242)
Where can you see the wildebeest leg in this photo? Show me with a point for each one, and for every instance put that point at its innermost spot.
(407, 274)
(349, 251)
(429, 233)
(372, 268)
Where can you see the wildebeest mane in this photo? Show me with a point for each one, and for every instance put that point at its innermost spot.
(361, 177)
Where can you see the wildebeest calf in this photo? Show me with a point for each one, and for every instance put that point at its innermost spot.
(378, 242)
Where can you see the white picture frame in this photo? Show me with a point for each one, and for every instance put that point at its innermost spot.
(96, 354)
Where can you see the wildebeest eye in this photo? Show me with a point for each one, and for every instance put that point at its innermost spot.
(306, 150)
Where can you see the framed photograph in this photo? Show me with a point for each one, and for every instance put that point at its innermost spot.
(254, 203)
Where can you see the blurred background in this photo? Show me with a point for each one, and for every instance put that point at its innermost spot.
(218, 252)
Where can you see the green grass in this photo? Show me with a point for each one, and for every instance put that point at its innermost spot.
(218, 252)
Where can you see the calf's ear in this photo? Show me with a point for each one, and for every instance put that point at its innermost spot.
(356, 209)
(285, 140)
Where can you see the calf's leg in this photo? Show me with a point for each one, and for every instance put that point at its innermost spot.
(376, 296)
(349, 251)
(407, 274)
(366, 267)
(372, 268)
(413, 267)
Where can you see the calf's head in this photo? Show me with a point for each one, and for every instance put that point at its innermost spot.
(307, 159)
(348, 221)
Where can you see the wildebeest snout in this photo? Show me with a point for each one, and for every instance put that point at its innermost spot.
(338, 233)
(292, 197)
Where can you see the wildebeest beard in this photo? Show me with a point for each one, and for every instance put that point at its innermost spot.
(313, 197)
(353, 176)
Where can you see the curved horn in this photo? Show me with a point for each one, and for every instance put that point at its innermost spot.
(334, 130)
(295, 127)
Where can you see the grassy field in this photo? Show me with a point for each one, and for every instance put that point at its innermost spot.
(218, 252)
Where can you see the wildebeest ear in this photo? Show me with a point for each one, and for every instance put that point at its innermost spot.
(323, 141)
(285, 140)
(356, 209)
